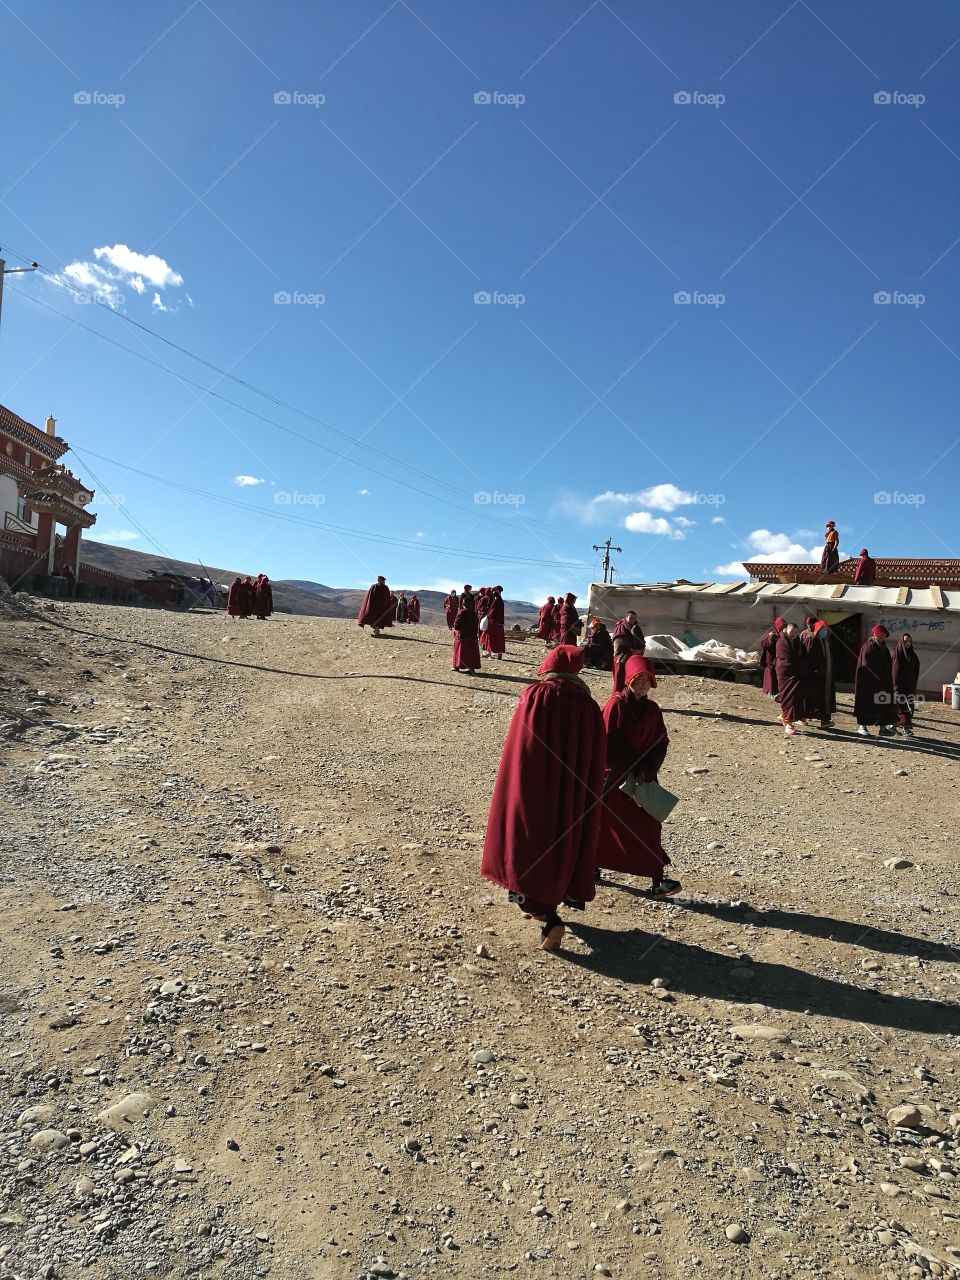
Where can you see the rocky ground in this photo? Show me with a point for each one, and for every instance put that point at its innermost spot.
(259, 1015)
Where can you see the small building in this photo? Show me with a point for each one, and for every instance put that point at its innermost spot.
(38, 493)
(740, 613)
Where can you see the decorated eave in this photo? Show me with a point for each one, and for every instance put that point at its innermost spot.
(889, 573)
(37, 441)
(57, 490)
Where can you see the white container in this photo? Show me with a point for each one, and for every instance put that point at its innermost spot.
(955, 698)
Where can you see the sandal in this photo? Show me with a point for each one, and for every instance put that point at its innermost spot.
(550, 939)
(664, 888)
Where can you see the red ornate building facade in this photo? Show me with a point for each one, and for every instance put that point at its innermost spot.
(38, 493)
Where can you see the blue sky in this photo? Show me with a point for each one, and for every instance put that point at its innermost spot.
(686, 218)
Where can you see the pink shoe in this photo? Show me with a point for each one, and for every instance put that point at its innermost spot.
(789, 730)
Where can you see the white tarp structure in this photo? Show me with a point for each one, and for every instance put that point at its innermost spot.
(738, 614)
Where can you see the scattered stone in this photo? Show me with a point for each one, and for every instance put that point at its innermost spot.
(897, 864)
(736, 1234)
(760, 1031)
(906, 1116)
(129, 1110)
(482, 1056)
(49, 1140)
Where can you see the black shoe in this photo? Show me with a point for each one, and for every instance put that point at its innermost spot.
(664, 888)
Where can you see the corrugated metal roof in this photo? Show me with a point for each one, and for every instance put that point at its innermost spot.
(919, 598)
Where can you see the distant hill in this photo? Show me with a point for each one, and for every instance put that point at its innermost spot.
(290, 595)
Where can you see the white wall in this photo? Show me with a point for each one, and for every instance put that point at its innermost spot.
(9, 495)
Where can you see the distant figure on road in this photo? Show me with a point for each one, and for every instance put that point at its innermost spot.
(873, 685)
(631, 839)
(767, 655)
(830, 559)
(466, 634)
(569, 619)
(378, 607)
(237, 599)
(791, 671)
(451, 607)
(263, 597)
(906, 674)
(413, 608)
(628, 639)
(598, 647)
(543, 853)
(865, 574)
(545, 621)
(495, 633)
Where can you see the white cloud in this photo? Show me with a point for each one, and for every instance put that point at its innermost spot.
(363, 492)
(717, 520)
(247, 480)
(130, 263)
(118, 268)
(765, 547)
(116, 535)
(420, 535)
(644, 522)
(606, 506)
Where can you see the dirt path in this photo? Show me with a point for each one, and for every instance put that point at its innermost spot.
(244, 887)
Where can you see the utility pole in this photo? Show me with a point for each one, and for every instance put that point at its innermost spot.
(11, 271)
(606, 548)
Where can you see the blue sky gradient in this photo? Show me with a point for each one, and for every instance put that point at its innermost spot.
(339, 156)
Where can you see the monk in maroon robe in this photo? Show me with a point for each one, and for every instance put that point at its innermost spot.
(767, 654)
(906, 675)
(451, 607)
(557, 628)
(413, 608)
(598, 647)
(815, 640)
(466, 635)
(236, 598)
(631, 839)
(628, 639)
(544, 819)
(569, 619)
(865, 574)
(483, 608)
(496, 633)
(791, 671)
(249, 596)
(545, 621)
(873, 685)
(830, 559)
(379, 605)
(263, 597)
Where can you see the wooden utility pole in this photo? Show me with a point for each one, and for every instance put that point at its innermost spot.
(606, 548)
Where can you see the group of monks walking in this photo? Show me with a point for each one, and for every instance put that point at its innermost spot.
(250, 597)
(381, 608)
(477, 622)
(798, 673)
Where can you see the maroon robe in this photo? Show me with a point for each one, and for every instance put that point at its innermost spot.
(263, 598)
(906, 675)
(555, 615)
(237, 599)
(866, 572)
(545, 812)
(413, 609)
(791, 669)
(830, 558)
(873, 685)
(451, 607)
(630, 838)
(599, 647)
(377, 608)
(767, 653)
(545, 621)
(495, 634)
(569, 617)
(813, 697)
(466, 633)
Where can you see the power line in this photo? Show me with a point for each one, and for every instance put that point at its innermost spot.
(355, 443)
(290, 517)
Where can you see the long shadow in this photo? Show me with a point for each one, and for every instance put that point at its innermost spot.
(638, 956)
(849, 932)
(727, 716)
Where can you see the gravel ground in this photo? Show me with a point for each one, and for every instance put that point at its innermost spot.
(260, 1016)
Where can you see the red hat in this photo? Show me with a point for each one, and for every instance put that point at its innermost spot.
(567, 659)
(864, 551)
(381, 578)
(779, 624)
(818, 626)
(467, 587)
(636, 665)
(830, 524)
(879, 631)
